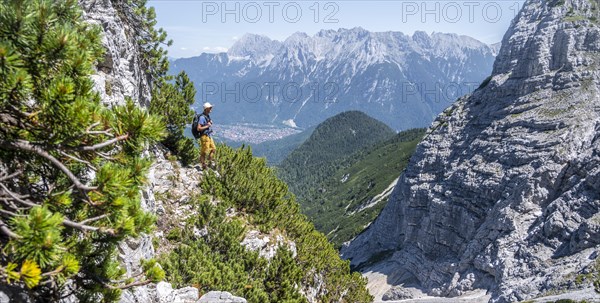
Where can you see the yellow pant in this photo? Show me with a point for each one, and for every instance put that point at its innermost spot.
(206, 145)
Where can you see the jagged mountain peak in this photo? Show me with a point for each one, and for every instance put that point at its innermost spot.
(422, 38)
(325, 33)
(297, 36)
(298, 40)
(502, 194)
(449, 44)
(358, 32)
(254, 47)
(457, 41)
(342, 31)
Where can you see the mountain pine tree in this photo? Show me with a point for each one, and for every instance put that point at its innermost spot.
(70, 168)
(172, 101)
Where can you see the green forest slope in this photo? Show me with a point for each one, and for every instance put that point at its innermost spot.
(330, 144)
(341, 167)
(355, 194)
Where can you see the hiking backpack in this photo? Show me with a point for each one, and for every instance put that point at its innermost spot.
(195, 122)
(197, 134)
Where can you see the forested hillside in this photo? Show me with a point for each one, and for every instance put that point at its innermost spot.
(350, 199)
(342, 174)
(355, 187)
(330, 144)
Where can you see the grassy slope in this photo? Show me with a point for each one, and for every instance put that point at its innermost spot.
(246, 196)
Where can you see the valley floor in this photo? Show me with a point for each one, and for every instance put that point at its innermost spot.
(378, 284)
(480, 296)
(253, 133)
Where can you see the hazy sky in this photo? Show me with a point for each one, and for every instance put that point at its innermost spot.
(213, 26)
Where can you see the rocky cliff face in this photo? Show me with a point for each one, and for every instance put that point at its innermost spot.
(503, 194)
(122, 75)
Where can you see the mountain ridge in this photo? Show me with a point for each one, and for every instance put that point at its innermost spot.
(250, 45)
(402, 80)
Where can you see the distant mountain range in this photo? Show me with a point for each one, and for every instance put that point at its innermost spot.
(402, 80)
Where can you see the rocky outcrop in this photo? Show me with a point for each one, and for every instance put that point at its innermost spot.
(167, 181)
(267, 244)
(121, 73)
(220, 297)
(503, 194)
(166, 294)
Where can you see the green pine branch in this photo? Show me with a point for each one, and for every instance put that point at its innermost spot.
(70, 168)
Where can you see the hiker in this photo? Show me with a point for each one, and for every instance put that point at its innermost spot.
(207, 145)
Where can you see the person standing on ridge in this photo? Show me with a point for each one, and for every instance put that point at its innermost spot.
(207, 145)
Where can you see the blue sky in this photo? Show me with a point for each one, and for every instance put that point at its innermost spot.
(198, 26)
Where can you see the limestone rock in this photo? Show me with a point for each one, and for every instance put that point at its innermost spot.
(121, 73)
(220, 297)
(166, 294)
(164, 291)
(267, 245)
(141, 294)
(502, 194)
(313, 292)
(397, 293)
(132, 250)
(10, 294)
